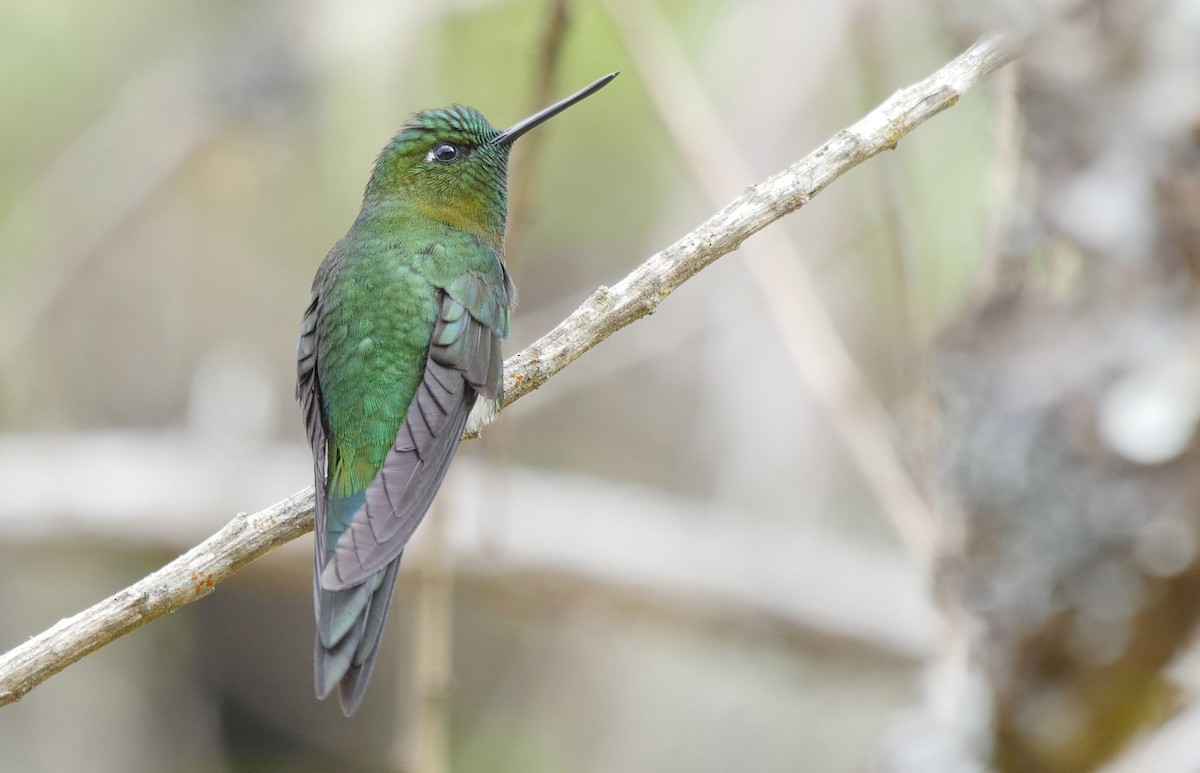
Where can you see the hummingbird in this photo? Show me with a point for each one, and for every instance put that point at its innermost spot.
(399, 346)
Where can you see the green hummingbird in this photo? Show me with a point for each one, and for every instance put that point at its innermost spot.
(400, 343)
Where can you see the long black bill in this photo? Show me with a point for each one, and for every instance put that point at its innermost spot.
(510, 134)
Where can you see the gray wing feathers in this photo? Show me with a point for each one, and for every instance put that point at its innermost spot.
(308, 392)
(463, 353)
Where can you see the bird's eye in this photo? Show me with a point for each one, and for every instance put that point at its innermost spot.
(443, 152)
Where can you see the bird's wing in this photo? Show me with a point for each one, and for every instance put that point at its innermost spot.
(464, 362)
(308, 393)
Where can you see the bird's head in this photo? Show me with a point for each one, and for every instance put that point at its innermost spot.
(451, 165)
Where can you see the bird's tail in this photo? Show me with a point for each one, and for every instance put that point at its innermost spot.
(349, 627)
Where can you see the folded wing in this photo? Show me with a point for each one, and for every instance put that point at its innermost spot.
(464, 363)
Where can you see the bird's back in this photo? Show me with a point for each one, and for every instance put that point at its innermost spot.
(392, 291)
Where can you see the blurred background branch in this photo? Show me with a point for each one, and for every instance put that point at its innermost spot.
(161, 104)
(810, 339)
(555, 25)
(1071, 398)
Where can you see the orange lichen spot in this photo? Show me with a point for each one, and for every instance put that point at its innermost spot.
(203, 584)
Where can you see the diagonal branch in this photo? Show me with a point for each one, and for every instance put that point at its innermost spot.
(611, 308)
(247, 537)
(789, 291)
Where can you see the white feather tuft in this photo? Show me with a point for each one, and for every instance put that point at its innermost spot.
(483, 412)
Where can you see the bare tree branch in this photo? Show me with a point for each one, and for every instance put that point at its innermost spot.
(776, 265)
(247, 537)
(188, 578)
(638, 294)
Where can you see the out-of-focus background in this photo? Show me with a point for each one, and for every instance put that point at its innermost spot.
(678, 555)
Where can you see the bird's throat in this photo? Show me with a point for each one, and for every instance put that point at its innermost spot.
(469, 214)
